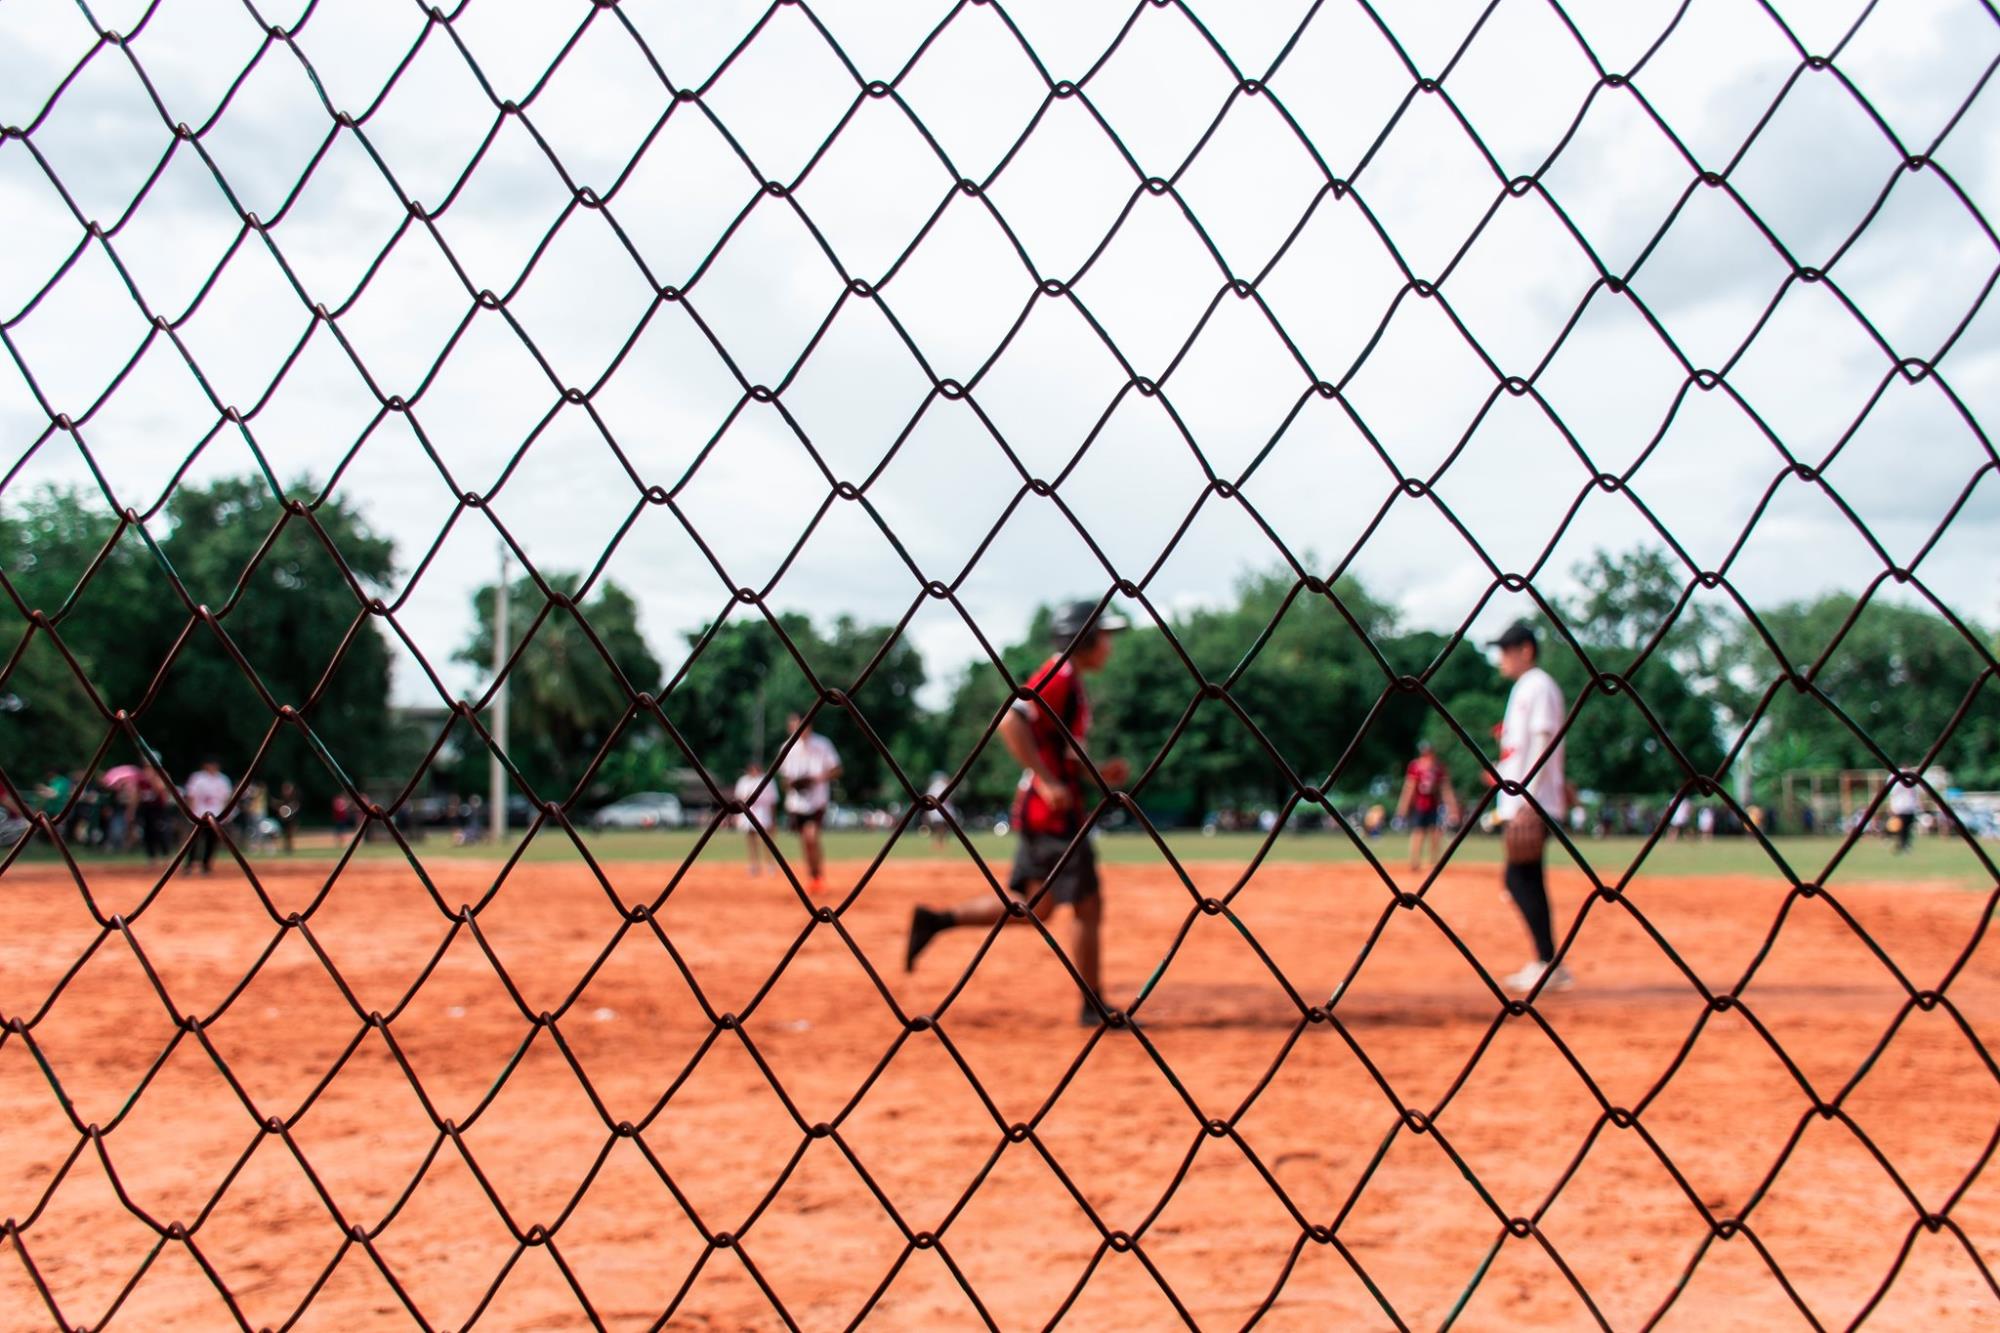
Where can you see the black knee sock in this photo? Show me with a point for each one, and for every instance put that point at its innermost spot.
(1530, 892)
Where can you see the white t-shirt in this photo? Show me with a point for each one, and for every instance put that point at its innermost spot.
(1534, 715)
(207, 793)
(1903, 800)
(808, 770)
(765, 803)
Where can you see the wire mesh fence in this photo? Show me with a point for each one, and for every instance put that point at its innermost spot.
(215, 611)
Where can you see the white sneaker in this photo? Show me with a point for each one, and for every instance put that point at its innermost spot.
(1524, 981)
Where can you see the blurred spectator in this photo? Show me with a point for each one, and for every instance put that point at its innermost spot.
(1904, 804)
(288, 813)
(150, 810)
(207, 791)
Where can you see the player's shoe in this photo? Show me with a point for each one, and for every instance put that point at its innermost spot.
(818, 886)
(1525, 980)
(1090, 1016)
(924, 927)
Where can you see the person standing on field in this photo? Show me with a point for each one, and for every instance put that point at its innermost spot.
(207, 792)
(1531, 753)
(809, 769)
(1054, 862)
(939, 818)
(1904, 807)
(1426, 803)
(760, 811)
(289, 804)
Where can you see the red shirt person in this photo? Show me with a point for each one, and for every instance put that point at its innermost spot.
(1427, 801)
(1054, 862)
(1055, 731)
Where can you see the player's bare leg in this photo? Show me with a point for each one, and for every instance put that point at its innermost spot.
(1086, 934)
(1416, 849)
(756, 854)
(815, 856)
(985, 909)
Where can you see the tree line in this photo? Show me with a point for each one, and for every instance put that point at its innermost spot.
(1311, 676)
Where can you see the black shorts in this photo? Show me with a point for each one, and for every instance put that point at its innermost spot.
(1420, 819)
(809, 819)
(1035, 858)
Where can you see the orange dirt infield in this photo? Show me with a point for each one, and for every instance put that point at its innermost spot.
(1832, 1221)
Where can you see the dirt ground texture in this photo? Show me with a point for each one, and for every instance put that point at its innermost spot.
(311, 1162)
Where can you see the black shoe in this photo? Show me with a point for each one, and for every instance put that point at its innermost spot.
(924, 927)
(1092, 1017)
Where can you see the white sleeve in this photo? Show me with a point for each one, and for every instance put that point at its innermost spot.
(1545, 719)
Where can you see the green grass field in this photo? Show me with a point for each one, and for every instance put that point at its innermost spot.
(1872, 860)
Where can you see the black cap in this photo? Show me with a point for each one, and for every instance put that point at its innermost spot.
(1080, 620)
(1515, 635)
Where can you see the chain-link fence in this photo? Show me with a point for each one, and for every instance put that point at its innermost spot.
(68, 384)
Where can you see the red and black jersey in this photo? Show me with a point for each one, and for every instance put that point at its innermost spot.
(1426, 773)
(1062, 706)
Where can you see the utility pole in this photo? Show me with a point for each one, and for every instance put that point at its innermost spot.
(496, 772)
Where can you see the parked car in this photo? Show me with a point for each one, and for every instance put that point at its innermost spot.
(648, 809)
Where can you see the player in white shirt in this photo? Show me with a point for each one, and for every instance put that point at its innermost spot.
(1529, 744)
(760, 802)
(1678, 820)
(207, 792)
(938, 820)
(1904, 806)
(809, 769)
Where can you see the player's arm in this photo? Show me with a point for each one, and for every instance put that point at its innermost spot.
(1403, 801)
(1018, 735)
(1115, 771)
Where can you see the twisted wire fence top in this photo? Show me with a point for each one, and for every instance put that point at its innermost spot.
(771, 177)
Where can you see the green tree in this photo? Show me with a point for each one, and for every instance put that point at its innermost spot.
(1309, 689)
(285, 602)
(886, 701)
(564, 699)
(47, 723)
(1901, 674)
(1623, 602)
(733, 699)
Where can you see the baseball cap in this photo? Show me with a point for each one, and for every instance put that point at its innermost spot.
(1514, 636)
(1078, 620)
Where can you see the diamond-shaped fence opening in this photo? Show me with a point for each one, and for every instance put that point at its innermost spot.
(477, 480)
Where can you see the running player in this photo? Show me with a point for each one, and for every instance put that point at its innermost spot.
(1049, 805)
(939, 818)
(1528, 743)
(760, 808)
(808, 770)
(1427, 801)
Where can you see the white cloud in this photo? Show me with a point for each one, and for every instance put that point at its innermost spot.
(965, 292)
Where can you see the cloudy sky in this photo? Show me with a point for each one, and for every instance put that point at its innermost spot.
(1093, 280)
